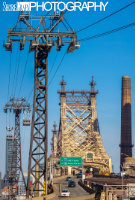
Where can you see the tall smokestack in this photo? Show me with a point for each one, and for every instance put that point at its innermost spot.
(126, 129)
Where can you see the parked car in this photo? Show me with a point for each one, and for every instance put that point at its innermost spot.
(68, 178)
(65, 193)
(71, 184)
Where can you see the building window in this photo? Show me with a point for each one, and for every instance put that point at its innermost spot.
(89, 155)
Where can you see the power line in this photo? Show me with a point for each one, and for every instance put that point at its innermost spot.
(108, 32)
(57, 68)
(117, 11)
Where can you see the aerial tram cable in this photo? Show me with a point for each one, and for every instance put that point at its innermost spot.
(57, 68)
(53, 63)
(30, 93)
(14, 76)
(16, 57)
(17, 65)
(108, 32)
(57, 52)
(90, 38)
(9, 74)
(9, 88)
(17, 71)
(117, 11)
(23, 74)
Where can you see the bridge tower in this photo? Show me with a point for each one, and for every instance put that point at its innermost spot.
(79, 133)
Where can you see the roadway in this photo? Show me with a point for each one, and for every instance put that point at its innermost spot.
(76, 192)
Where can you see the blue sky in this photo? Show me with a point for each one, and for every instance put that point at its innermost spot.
(107, 59)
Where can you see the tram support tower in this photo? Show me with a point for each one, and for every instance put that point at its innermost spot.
(16, 106)
(49, 30)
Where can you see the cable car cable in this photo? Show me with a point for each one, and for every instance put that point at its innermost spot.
(23, 74)
(117, 11)
(57, 68)
(30, 93)
(53, 63)
(18, 66)
(9, 75)
(108, 32)
(14, 77)
(94, 37)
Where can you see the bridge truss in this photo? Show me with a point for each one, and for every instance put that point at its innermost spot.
(79, 133)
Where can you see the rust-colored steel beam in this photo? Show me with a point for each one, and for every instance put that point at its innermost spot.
(39, 129)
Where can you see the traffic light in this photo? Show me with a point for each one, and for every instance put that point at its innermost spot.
(44, 187)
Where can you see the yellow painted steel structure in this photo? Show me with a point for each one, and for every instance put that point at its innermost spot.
(79, 133)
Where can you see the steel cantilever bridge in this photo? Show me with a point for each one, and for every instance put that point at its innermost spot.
(79, 134)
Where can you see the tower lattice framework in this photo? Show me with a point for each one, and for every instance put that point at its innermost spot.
(79, 134)
(16, 171)
(43, 32)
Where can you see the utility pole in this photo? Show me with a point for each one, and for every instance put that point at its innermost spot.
(43, 35)
(17, 106)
